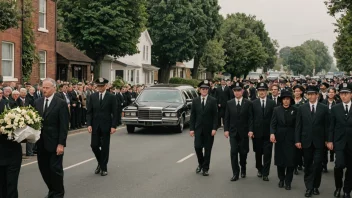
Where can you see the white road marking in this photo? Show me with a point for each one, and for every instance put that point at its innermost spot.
(185, 158)
(85, 161)
(29, 163)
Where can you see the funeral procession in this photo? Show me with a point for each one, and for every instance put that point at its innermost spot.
(175, 98)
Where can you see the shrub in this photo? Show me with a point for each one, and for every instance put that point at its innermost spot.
(192, 82)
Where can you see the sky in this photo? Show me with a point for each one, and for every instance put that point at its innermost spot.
(290, 22)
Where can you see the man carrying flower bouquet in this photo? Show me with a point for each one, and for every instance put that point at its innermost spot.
(53, 136)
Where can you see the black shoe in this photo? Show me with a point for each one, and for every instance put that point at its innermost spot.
(234, 178)
(295, 171)
(309, 193)
(259, 174)
(288, 187)
(243, 173)
(97, 171)
(205, 173)
(337, 192)
(265, 178)
(198, 169)
(316, 191)
(281, 184)
(346, 195)
(104, 173)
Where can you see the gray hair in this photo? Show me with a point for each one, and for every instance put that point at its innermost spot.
(15, 92)
(23, 90)
(51, 80)
(8, 88)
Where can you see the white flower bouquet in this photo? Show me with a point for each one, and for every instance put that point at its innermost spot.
(21, 124)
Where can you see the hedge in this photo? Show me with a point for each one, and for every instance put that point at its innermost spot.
(192, 82)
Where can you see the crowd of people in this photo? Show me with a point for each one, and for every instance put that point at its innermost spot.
(304, 118)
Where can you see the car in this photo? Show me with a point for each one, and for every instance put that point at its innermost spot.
(161, 105)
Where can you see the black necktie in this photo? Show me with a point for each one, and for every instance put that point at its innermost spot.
(346, 110)
(263, 107)
(313, 110)
(45, 106)
(101, 98)
(275, 100)
(203, 103)
(238, 106)
(23, 102)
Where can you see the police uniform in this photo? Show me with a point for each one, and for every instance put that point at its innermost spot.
(204, 119)
(238, 122)
(340, 134)
(101, 117)
(262, 112)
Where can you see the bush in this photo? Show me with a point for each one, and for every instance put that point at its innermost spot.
(119, 82)
(192, 82)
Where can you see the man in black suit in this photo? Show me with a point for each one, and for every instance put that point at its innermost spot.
(203, 126)
(252, 91)
(10, 161)
(53, 137)
(223, 94)
(262, 112)
(340, 140)
(312, 125)
(238, 123)
(120, 104)
(38, 93)
(275, 94)
(102, 122)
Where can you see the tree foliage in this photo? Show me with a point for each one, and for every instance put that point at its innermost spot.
(213, 58)
(170, 25)
(243, 48)
(104, 27)
(284, 54)
(9, 15)
(338, 6)
(322, 58)
(301, 60)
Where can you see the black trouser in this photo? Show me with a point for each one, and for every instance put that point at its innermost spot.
(285, 174)
(29, 148)
(83, 116)
(78, 116)
(299, 157)
(203, 141)
(119, 114)
(263, 154)
(100, 143)
(74, 117)
(238, 150)
(343, 160)
(312, 162)
(9, 180)
(50, 166)
(221, 114)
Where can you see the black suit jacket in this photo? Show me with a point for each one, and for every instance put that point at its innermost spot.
(245, 123)
(223, 96)
(120, 100)
(103, 116)
(340, 131)
(277, 100)
(55, 123)
(204, 121)
(27, 102)
(261, 123)
(36, 96)
(312, 130)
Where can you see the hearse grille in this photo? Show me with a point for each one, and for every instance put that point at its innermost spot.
(150, 114)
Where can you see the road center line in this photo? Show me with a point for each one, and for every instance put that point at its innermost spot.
(23, 165)
(185, 158)
(85, 161)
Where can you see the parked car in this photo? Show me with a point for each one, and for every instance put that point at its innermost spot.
(162, 105)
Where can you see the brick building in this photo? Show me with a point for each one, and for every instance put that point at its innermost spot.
(44, 18)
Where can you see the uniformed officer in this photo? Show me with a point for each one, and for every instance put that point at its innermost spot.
(238, 123)
(203, 126)
(283, 135)
(340, 140)
(102, 122)
(262, 112)
(312, 125)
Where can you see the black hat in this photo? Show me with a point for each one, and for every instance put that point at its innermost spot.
(101, 81)
(204, 84)
(237, 86)
(299, 87)
(286, 93)
(262, 86)
(345, 88)
(312, 89)
(325, 84)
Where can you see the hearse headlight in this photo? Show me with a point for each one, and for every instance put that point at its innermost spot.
(169, 114)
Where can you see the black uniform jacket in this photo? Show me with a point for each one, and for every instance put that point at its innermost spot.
(204, 120)
(262, 122)
(340, 131)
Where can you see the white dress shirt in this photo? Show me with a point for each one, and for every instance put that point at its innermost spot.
(102, 95)
(261, 102)
(49, 100)
(315, 106)
(348, 106)
(205, 99)
(240, 100)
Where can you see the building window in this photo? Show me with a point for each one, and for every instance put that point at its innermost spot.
(143, 52)
(42, 14)
(132, 75)
(147, 54)
(137, 77)
(7, 60)
(42, 64)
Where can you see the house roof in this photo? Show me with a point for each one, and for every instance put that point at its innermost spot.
(71, 53)
(148, 37)
(150, 67)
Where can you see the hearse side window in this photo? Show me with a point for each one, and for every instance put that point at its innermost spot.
(185, 94)
(194, 93)
(190, 94)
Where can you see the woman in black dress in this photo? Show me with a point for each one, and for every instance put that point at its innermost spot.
(283, 135)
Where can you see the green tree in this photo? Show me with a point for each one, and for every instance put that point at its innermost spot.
(170, 26)
(338, 6)
(213, 58)
(9, 15)
(206, 22)
(301, 60)
(243, 48)
(284, 54)
(322, 58)
(104, 27)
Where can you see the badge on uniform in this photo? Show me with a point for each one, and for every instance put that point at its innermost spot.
(205, 81)
(101, 80)
(262, 84)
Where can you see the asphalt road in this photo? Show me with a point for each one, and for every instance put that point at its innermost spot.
(158, 164)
